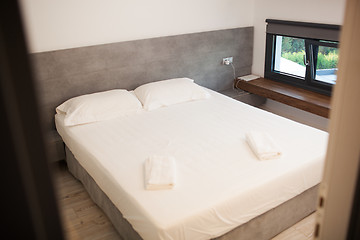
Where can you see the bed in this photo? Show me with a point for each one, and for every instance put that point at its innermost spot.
(222, 189)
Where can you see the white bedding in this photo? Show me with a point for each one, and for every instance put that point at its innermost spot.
(220, 182)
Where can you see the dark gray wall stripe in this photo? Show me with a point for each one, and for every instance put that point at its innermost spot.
(63, 74)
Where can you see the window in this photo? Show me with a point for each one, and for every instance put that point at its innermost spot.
(302, 54)
(289, 56)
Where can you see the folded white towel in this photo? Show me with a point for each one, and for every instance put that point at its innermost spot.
(160, 173)
(263, 145)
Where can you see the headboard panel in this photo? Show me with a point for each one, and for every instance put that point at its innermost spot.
(63, 74)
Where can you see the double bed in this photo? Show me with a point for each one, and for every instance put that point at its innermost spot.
(222, 189)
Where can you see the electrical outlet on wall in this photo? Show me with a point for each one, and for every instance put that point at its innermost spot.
(227, 60)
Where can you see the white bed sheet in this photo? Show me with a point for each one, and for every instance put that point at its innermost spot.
(220, 182)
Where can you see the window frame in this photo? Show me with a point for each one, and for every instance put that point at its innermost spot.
(312, 73)
(308, 82)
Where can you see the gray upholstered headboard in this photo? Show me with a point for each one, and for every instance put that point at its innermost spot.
(67, 73)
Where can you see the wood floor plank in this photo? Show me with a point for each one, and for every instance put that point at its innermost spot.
(82, 219)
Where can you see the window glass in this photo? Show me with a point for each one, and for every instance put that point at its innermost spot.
(302, 54)
(289, 56)
(326, 61)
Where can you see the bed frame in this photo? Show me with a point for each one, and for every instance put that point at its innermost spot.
(262, 227)
(64, 74)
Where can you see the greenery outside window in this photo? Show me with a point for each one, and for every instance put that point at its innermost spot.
(302, 54)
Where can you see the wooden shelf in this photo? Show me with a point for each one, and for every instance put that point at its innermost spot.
(296, 97)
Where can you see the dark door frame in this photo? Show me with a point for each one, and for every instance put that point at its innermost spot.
(29, 207)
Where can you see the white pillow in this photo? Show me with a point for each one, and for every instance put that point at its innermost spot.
(98, 106)
(167, 92)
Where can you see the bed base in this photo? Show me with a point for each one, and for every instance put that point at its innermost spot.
(262, 227)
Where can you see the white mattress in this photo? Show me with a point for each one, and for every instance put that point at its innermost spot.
(220, 183)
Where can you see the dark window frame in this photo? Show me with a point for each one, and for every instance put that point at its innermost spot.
(325, 35)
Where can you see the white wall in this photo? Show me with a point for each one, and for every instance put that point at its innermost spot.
(61, 24)
(319, 11)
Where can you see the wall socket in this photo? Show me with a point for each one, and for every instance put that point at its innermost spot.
(227, 60)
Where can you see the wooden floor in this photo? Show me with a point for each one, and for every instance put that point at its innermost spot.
(82, 219)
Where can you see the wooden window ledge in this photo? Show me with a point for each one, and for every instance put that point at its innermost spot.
(296, 97)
